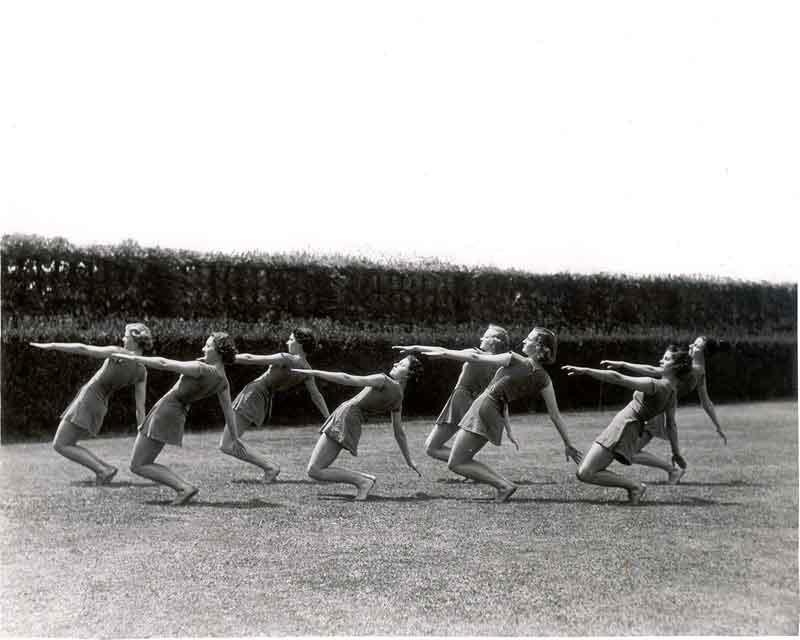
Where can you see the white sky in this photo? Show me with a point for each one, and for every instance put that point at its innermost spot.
(583, 136)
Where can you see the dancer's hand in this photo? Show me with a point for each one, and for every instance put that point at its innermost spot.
(238, 448)
(572, 453)
(723, 436)
(514, 440)
(413, 466)
(433, 353)
(678, 459)
(574, 371)
(615, 365)
(305, 372)
(409, 348)
(42, 345)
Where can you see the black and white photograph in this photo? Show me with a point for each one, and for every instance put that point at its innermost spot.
(419, 319)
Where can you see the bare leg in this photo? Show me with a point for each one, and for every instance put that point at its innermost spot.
(324, 454)
(65, 443)
(271, 471)
(435, 444)
(465, 447)
(145, 451)
(647, 459)
(592, 470)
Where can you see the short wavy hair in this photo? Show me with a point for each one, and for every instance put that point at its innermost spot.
(306, 337)
(501, 335)
(545, 345)
(415, 367)
(141, 334)
(681, 362)
(225, 346)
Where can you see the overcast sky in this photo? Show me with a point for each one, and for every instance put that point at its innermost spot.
(550, 136)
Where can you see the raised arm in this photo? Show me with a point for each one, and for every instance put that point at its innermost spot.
(257, 360)
(316, 397)
(374, 380)
(471, 355)
(139, 396)
(80, 349)
(192, 368)
(637, 369)
(645, 385)
(708, 407)
(549, 395)
(402, 441)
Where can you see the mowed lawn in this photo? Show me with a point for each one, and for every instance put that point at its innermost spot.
(714, 555)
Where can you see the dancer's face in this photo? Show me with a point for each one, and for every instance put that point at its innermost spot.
(128, 341)
(697, 346)
(489, 342)
(529, 345)
(210, 351)
(667, 360)
(400, 369)
(293, 345)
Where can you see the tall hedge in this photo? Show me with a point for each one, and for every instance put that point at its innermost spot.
(51, 276)
(37, 385)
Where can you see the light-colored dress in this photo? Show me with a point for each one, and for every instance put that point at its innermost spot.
(474, 378)
(626, 435)
(343, 426)
(517, 380)
(254, 402)
(166, 420)
(88, 409)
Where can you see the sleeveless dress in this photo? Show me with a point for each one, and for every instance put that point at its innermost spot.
(343, 426)
(88, 409)
(625, 436)
(166, 420)
(254, 402)
(517, 380)
(657, 427)
(474, 378)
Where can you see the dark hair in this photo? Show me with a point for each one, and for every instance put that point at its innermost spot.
(674, 347)
(225, 346)
(415, 367)
(141, 334)
(681, 362)
(305, 336)
(546, 344)
(713, 346)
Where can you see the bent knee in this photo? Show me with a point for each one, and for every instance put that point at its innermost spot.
(584, 474)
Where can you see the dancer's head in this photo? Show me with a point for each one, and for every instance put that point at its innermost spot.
(677, 361)
(495, 339)
(406, 369)
(541, 345)
(137, 335)
(302, 338)
(707, 346)
(220, 347)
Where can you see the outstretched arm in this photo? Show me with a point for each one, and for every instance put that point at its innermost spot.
(257, 360)
(645, 385)
(80, 349)
(374, 380)
(637, 369)
(402, 441)
(708, 407)
(471, 355)
(316, 397)
(139, 395)
(549, 395)
(414, 348)
(193, 368)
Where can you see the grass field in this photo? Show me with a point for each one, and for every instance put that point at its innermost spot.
(714, 555)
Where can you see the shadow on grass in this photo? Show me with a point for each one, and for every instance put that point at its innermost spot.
(111, 485)
(253, 503)
(730, 483)
(278, 481)
(417, 497)
(688, 502)
(522, 483)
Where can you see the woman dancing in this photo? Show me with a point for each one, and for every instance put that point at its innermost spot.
(165, 422)
(84, 415)
(623, 438)
(342, 429)
(253, 406)
(487, 417)
(475, 377)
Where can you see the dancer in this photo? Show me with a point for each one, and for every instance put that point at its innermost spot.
(165, 422)
(701, 348)
(253, 405)
(487, 417)
(622, 439)
(474, 378)
(84, 415)
(342, 429)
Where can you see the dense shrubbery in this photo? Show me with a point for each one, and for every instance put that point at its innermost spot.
(38, 385)
(50, 276)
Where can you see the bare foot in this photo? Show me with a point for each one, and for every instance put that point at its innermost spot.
(105, 478)
(675, 475)
(364, 489)
(635, 495)
(184, 496)
(504, 494)
(271, 475)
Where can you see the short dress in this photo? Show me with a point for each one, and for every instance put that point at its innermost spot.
(343, 426)
(657, 427)
(516, 380)
(626, 434)
(474, 378)
(166, 420)
(254, 403)
(88, 409)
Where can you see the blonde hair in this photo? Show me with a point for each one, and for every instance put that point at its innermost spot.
(142, 334)
(502, 336)
(545, 344)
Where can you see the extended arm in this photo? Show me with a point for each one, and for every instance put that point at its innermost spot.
(471, 355)
(257, 360)
(192, 369)
(316, 397)
(636, 369)
(139, 395)
(549, 395)
(402, 442)
(79, 349)
(374, 380)
(708, 407)
(645, 385)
